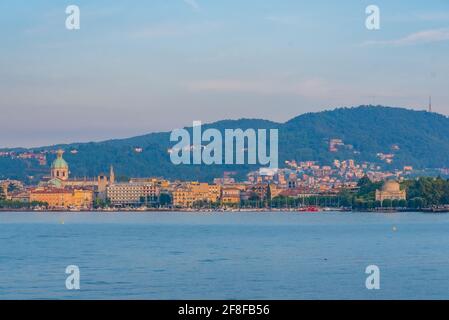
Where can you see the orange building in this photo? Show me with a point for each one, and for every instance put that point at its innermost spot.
(230, 195)
(187, 195)
(63, 198)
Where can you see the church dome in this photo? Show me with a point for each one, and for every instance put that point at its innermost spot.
(391, 186)
(59, 162)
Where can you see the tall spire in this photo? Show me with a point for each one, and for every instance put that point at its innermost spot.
(111, 175)
(430, 103)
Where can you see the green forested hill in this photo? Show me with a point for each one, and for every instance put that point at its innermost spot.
(422, 137)
(416, 138)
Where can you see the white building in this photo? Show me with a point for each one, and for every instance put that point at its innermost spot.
(132, 193)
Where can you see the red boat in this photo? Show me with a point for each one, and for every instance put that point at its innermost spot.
(309, 209)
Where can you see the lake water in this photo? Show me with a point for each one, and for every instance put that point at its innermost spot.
(224, 256)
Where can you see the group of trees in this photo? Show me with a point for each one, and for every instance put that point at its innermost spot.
(387, 203)
(162, 200)
(432, 191)
(9, 204)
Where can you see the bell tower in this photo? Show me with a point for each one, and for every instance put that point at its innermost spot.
(111, 175)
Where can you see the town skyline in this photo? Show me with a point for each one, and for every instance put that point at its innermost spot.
(304, 186)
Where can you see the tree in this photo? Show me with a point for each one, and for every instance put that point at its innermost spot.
(431, 191)
(165, 199)
(387, 203)
(417, 203)
(345, 198)
(101, 203)
(254, 197)
(367, 188)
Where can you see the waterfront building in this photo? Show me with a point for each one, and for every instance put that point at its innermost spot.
(214, 192)
(262, 190)
(230, 196)
(3, 191)
(187, 194)
(133, 194)
(58, 198)
(19, 196)
(183, 197)
(390, 190)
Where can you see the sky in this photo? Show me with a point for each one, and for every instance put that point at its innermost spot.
(145, 66)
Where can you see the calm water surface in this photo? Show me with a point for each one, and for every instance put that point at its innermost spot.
(224, 256)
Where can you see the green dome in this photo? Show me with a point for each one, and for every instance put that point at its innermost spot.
(59, 162)
(55, 183)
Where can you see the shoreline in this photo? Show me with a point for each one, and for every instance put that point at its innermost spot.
(255, 210)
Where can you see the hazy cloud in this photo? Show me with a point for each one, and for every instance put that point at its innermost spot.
(305, 88)
(317, 89)
(421, 37)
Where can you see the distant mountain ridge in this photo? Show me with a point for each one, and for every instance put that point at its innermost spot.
(416, 138)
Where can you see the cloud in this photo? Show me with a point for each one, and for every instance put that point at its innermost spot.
(421, 37)
(315, 89)
(193, 4)
(305, 88)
